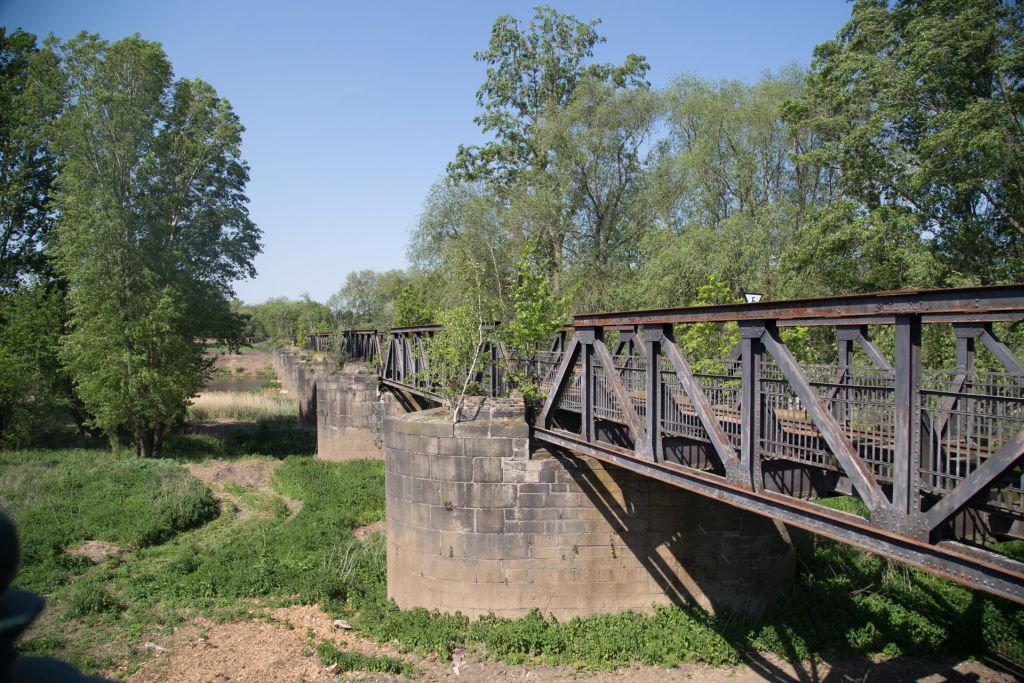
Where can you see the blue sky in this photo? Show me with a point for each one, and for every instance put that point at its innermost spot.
(352, 110)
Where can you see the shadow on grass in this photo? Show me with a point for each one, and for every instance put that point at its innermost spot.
(277, 438)
(847, 605)
(69, 437)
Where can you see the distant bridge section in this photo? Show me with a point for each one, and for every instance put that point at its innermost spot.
(934, 451)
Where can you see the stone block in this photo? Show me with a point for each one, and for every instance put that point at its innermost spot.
(489, 521)
(454, 519)
(565, 534)
(451, 468)
(487, 470)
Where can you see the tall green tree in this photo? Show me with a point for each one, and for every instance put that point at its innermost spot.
(531, 71)
(919, 107)
(27, 165)
(368, 298)
(729, 194)
(35, 391)
(152, 229)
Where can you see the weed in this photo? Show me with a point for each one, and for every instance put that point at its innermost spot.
(63, 497)
(60, 498)
(91, 597)
(355, 661)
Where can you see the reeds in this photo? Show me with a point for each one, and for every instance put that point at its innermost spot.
(250, 406)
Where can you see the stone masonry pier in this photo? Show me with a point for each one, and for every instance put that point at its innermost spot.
(477, 523)
(297, 373)
(350, 412)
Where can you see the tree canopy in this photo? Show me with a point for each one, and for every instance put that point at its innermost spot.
(919, 107)
(152, 228)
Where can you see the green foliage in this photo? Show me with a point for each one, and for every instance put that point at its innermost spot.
(416, 630)
(275, 438)
(532, 71)
(355, 661)
(412, 307)
(918, 106)
(706, 345)
(284, 320)
(90, 597)
(152, 229)
(669, 637)
(368, 298)
(61, 498)
(461, 248)
(309, 556)
(536, 314)
(457, 355)
(27, 164)
(35, 392)
(282, 554)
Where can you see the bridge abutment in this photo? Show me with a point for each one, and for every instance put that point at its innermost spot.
(477, 523)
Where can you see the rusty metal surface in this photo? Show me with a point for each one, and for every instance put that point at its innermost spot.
(879, 306)
(935, 453)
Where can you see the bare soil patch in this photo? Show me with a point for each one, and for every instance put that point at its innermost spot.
(96, 551)
(255, 473)
(280, 647)
(361, 532)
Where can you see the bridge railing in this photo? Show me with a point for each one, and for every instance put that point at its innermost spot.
(934, 453)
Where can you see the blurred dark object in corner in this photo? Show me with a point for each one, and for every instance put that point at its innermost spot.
(18, 609)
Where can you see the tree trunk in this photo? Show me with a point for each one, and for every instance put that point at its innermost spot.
(145, 443)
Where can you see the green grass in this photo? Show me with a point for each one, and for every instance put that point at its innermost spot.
(277, 438)
(278, 557)
(60, 498)
(845, 603)
(355, 661)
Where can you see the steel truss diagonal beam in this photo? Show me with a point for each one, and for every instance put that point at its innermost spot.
(977, 481)
(614, 379)
(569, 359)
(719, 439)
(861, 477)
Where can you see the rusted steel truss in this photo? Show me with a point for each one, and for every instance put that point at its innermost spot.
(359, 345)
(934, 453)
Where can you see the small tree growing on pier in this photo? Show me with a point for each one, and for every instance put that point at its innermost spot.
(537, 313)
(456, 356)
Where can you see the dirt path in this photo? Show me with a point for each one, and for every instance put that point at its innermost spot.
(281, 648)
(250, 474)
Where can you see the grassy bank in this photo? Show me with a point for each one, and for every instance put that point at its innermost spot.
(293, 542)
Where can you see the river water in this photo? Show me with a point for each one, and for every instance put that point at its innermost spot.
(234, 384)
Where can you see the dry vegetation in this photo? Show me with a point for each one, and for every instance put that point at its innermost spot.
(267, 404)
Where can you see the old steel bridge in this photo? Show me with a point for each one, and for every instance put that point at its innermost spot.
(934, 453)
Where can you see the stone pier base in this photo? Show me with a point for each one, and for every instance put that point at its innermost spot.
(350, 414)
(297, 373)
(478, 524)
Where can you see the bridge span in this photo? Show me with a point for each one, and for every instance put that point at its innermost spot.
(933, 449)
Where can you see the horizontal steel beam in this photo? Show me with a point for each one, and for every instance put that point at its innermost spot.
(976, 302)
(412, 390)
(971, 567)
